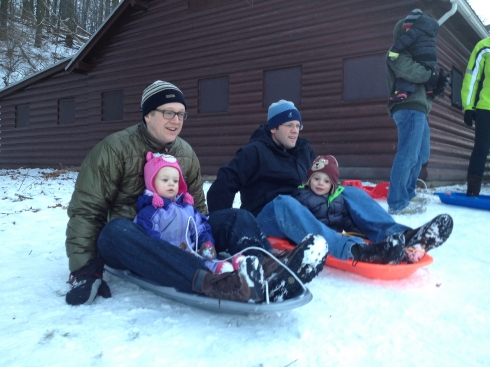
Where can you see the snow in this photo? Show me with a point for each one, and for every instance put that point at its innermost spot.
(440, 316)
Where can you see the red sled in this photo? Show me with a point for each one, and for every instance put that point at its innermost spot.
(374, 271)
(380, 191)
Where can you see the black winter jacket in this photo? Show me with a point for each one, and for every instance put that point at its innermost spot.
(328, 209)
(420, 41)
(260, 171)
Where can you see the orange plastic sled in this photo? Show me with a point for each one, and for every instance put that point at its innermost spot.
(374, 271)
(380, 191)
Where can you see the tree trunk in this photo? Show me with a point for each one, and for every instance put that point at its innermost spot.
(27, 10)
(39, 23)
(3, 19)
(70, 23)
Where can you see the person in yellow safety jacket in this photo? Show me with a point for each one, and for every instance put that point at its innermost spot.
(475, 95)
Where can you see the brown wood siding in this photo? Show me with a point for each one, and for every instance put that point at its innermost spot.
(171, 42)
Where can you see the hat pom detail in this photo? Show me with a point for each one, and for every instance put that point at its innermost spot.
(188, 199)
(157, 201)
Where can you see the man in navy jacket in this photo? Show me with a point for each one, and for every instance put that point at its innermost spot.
(270, 167)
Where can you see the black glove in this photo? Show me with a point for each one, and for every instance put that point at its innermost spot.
(469, 116)
(442, 83)
(432, 82)
(87, 283)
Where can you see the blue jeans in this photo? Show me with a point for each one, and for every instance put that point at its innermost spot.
(236, 229)
(123, 244)
(285, 217)
(482, 143)
(413, 152)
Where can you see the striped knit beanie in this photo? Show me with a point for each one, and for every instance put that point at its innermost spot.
(411, 18)
(281, 112)
(159, 93)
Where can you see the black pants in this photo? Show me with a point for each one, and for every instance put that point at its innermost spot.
(482, 143)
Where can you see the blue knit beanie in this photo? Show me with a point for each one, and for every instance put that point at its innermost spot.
(281, 112)
(159, 93)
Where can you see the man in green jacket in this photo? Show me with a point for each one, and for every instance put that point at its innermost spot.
(410, 115)
(101, 228)
(475, 94)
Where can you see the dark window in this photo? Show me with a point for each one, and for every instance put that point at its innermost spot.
(365, 78)
(282, 84)
(66, 111)
(214, 95)
(456, 84)
(195, 4)
(112, 105)
(22, 118)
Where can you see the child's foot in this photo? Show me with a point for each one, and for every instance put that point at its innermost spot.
(236, 260)
(398, 96)
(423, 239)
(224, 267)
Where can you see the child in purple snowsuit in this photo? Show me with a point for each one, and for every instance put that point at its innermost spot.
(166, 212)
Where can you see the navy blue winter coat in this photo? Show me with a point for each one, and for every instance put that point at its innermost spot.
(328, 209)
(260, 171)
(420, 41)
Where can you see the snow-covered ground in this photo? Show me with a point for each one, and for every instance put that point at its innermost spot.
(440, 316)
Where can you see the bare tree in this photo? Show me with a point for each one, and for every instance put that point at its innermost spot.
(3, 19)
(39, 23)
(70, 21)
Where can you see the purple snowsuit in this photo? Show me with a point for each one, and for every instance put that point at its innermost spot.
(176, 223)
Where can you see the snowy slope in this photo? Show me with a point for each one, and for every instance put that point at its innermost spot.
(440, 316)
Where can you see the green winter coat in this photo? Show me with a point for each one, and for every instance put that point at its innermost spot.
(404, 67)
(110, 181)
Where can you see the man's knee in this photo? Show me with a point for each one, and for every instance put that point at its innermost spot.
(286, 201)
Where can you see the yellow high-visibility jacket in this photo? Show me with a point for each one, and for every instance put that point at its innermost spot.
(475, 93)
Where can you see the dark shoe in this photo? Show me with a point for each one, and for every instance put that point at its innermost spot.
(244, 285)
(423, 239)
(87, 283)
(306, 260)
(474, 185)
(389, 251)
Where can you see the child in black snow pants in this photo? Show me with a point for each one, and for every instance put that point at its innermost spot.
(420, 41)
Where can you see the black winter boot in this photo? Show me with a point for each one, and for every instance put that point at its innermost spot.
(423, 239)
(244, 285)
(306, 260)
(474, 185)
(389, 251)
(87, 283)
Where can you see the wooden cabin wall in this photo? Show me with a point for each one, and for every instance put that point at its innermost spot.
(240, 39)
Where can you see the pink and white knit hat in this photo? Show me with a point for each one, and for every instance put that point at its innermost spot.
(154, 162)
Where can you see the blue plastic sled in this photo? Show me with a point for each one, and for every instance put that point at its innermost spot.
(460, 199)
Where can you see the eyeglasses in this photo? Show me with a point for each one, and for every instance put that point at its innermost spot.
(293, 126)
(169, 115)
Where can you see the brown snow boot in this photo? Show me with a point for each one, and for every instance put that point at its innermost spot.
(244, 285)
(474, 185)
